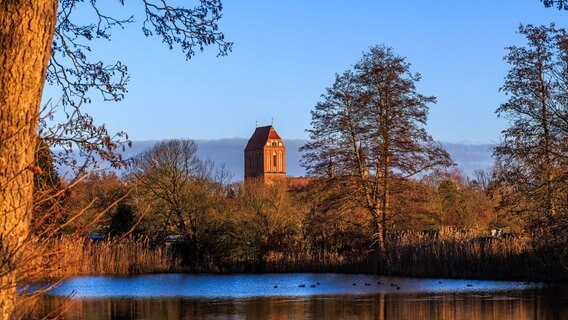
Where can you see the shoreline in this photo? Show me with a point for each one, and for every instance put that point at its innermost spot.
(496, 260)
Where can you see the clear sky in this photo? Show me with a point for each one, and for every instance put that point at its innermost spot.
(286, 53)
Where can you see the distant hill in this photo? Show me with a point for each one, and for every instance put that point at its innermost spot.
(468, 157)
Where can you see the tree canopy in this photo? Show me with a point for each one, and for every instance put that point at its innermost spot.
(534, 145)
(560, 4)
(369, 128)
(81, 78)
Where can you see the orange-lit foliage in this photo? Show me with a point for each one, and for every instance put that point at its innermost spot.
(93, 200)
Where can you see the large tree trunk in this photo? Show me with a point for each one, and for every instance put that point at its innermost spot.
(26, 33)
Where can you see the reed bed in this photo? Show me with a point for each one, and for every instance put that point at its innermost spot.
(122, 256)
(454, 254)
(447, 254)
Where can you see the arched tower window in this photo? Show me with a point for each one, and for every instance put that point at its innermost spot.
(274, 160)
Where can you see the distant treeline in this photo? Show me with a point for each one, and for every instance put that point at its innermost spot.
(443, 225)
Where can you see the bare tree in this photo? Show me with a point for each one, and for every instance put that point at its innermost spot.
(534, 146)
(179, 188)
(267, 219)
(334, 221)
(482, 179)
(369, 129)
(36, 37)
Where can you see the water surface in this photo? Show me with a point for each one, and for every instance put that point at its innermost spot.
(268, 285)
(302, 296)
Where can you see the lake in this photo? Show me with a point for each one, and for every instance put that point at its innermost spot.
(301, 296)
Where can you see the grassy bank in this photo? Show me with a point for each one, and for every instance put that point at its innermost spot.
(447, 254)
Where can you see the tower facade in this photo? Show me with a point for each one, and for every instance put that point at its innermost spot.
(265, 155)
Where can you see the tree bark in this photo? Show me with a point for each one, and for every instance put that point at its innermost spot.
(543, 97)
(26, 33)
(385, 197)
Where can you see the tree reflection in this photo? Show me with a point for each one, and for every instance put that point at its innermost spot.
(535, 304)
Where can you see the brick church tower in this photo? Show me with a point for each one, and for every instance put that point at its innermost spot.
(265, 155)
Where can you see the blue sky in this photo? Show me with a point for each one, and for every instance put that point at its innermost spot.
(287, 52)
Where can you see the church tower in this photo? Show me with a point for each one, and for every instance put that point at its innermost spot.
(265, 155)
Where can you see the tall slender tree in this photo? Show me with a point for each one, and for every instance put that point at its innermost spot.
(369, 129)
(534, 145)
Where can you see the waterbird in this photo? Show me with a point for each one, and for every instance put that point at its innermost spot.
(393, 285)
(397, 288)
(354, 284)
(313, 286)
(379, 283)
(440, 282)
(469, 285)
(275, 287)
(318, 283)
(302, 286)
(367, 284)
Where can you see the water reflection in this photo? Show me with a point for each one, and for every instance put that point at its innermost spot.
(532, 304)
(298, 296)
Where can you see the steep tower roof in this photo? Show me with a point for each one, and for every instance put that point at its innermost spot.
(260, 136)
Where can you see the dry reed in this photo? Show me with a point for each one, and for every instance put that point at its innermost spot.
(124, 256)
(448, 253)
